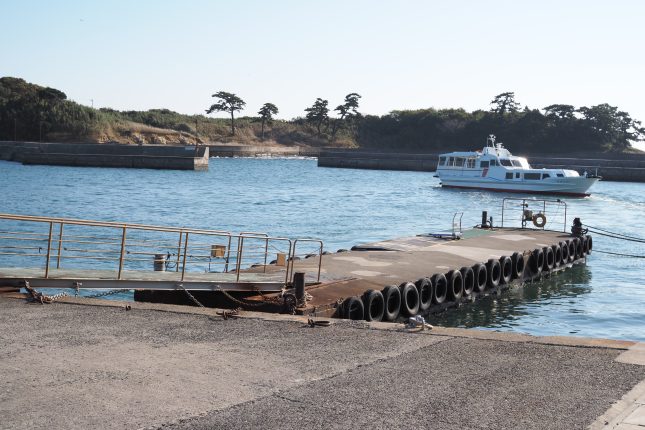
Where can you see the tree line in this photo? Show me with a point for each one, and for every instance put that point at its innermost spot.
(32, 112)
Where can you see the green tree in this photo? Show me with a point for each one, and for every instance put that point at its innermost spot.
(318, 113)
(228, 102)
(560, 112)
(505, 103)
(266, 113)
(346, 110)
(613, 128)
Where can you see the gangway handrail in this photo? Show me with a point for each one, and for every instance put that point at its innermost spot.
(292, 259)
(533, 200)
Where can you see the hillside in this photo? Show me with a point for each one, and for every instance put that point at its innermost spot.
(32, 112)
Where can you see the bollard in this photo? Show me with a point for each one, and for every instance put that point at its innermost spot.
(299, 285)
(484, 219)
(160, 262)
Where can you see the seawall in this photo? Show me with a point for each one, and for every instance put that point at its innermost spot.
(107, 155)
(258, 151)
(612, 167)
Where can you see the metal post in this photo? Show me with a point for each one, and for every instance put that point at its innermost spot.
(122, 256)
(49, 248)
(60, 245)
(183, 264)
(228, 253)
(299, 285)
(181, 234)
(240, 244)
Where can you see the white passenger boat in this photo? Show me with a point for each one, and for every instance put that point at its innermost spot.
(495, 169)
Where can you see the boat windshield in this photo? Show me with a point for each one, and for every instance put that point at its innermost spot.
(516, 163)
(505, 162)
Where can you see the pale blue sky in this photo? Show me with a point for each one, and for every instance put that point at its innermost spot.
(396, 54)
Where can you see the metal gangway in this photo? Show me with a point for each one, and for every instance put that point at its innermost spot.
(84, 254)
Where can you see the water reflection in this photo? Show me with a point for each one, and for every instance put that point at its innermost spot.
(503, 309)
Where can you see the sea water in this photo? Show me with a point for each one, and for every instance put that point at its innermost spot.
(344, 207)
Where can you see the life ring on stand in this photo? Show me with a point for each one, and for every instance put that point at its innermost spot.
(539, 220)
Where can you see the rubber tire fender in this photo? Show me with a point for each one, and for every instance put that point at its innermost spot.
(580, 248)
(585, 246)
(426, 292)
(392, 301)
(506, 265)
(468, 275)
(409, 299)
(564, 248)
(557, 255)
(589, 244)
(537, 261)
(572, 250)
(481, 276)
(518, 264)
(494, 273)
(455, 285)
(353, 308)
(549, 259)
(440, 284)
(374, 305)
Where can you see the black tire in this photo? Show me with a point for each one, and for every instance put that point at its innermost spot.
(481, 277)
(536, 262)
(572, 250)
(589, 244)
(494, 273)
(585, 246)
(426, 292)
(518, 265)
(374, 305)
(468, 275)
(409, 299)
(564, 247)
(455, 285)
(557, 255)
(353, 309)
(506, 264)
(440, 284)
(579, 248)
(392, 300)
(549, 259)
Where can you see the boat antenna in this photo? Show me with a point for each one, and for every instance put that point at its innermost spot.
(491, 140)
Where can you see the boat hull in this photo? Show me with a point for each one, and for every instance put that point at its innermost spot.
(575, 187)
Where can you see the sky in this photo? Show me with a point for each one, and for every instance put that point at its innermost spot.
(403, 54)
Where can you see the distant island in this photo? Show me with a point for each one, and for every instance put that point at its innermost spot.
(29, 112)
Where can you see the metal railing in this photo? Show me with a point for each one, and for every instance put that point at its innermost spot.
(320, 253)
(550, 209)
(124, 246)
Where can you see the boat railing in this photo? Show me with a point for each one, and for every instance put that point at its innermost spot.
(540, 213)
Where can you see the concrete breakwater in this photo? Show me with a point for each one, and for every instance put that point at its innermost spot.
(612, 167)
(258, 150)
(107, 155)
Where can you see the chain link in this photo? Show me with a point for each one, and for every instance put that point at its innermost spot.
(105, 293)
(190, 296)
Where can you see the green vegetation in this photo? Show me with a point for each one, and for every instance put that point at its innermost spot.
(33, 112)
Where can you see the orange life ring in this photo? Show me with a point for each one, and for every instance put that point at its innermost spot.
(539, 220)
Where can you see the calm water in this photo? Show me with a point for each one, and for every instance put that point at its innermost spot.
(295, 198)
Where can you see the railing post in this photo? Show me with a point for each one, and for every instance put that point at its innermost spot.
(60, 245)
(49, 247)
(228, 254)
(181, 233)
(240, 244)
(122, 255)
(183, 264)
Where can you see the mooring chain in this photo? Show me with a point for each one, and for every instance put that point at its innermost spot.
(238, 301)
(105, 293)
(37, 296)
(190, 296)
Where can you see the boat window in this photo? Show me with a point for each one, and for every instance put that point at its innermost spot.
(494, 162)
(471, 162)
(517, 175)
(483, 164)
(509, 175)
(451, 161)
(505, 162)
(545, 175)
(532, 176)
(560, 175)
(516, 163)
(442, 161)
(459, 161)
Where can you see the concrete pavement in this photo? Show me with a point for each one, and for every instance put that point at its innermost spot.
(162, 366)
